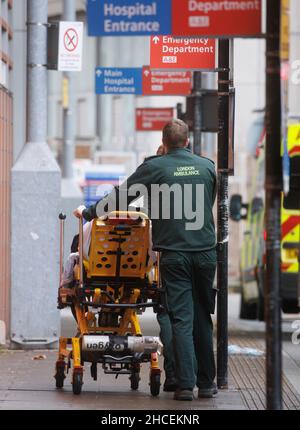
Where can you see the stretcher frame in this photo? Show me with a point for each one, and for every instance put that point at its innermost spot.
(91, 292)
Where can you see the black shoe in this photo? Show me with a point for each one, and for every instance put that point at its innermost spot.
(207, 392)
(183, 394)
(170, 384)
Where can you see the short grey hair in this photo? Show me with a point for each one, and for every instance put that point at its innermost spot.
(175, 133)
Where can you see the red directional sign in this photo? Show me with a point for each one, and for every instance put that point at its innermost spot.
(153, 119)
(157, 82)
(167, 52)
(217, 18)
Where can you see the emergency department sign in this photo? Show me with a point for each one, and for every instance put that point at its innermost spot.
(128, 17)
(166, 82)
(167, 52)
(70, 46)
(218, 18)
(153, 119)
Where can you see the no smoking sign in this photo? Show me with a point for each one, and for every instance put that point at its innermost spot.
(71, 39)
(70, 46)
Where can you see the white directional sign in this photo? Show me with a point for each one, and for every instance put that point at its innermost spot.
(70, 46)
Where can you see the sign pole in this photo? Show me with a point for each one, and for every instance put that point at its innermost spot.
(69, 14)
(197, 113)
(273, 187)
(284, 61)
(222, 273)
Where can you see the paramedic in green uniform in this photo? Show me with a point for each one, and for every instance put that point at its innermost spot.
(180, 190)
(165, 333)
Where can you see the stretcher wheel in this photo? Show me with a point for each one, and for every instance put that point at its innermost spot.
(60, 375)
(155, 384)
(77, 382)
(135, 380)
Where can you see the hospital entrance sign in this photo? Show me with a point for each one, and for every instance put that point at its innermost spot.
(128, 17)
(113, 80)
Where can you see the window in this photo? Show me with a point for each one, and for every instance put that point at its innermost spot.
(5, 41)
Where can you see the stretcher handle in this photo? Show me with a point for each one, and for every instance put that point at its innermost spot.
(62, 218)
(128, 214)
(80, 252)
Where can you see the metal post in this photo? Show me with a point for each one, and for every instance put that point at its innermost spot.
(70, 191)
(69, 14)
(81, 252)
(37, 16)
(209, 139)
(62, 218)
(197, 113)
(273, 188)
(98, 96)
(222, 274)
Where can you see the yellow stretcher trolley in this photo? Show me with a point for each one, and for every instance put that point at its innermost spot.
(109, 290)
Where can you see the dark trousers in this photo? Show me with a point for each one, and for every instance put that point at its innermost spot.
(166, 337)
(188, 278)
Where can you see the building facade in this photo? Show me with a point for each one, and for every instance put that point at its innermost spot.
(6, 158)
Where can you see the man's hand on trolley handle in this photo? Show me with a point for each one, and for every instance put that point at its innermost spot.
(78, 211)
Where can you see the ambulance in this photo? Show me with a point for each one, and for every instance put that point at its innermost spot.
(252, 264)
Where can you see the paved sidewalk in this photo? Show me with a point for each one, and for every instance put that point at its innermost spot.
(251, 380)
(29, 384)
